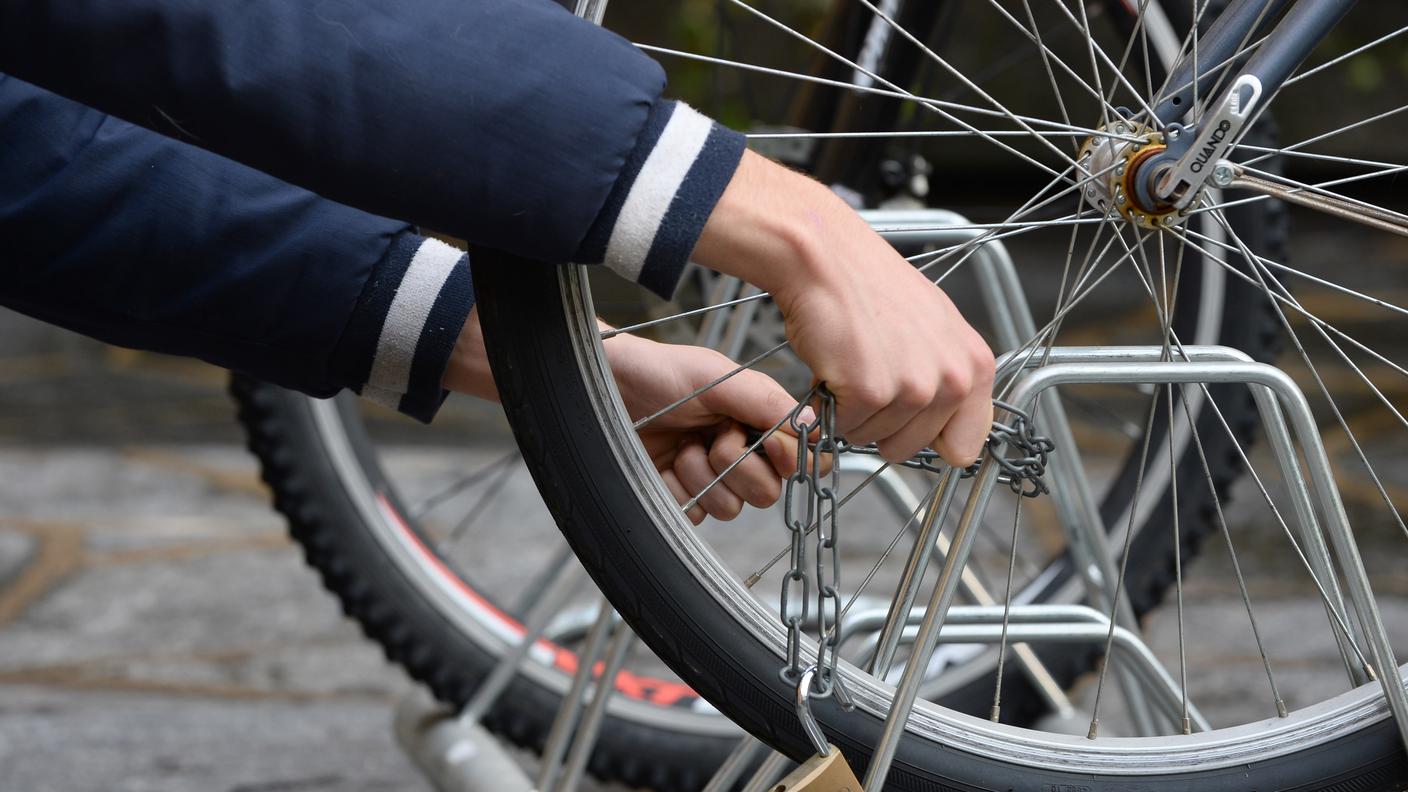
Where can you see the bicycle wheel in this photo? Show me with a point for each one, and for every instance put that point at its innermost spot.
(446, 619)
(671, 582)
(363, 497)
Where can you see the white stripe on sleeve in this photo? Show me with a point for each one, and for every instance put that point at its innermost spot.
(654, 188)
(405, 319)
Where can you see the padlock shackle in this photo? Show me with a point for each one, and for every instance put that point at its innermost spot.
(804, 713)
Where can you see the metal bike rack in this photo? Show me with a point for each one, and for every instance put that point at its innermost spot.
(1076, 506)
(446, 746)
(456, 753)
(1262, 378)
(1054, 624)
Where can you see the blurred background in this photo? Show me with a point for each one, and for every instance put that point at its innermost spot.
(158, 630)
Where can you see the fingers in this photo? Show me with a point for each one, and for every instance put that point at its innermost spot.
(952, 413)
(698, 471)
(963, 436)
(695, 473)
(781, 450)
(754, 478)
(696, 515)
(751, 398)
(917, 434)
(917, 410)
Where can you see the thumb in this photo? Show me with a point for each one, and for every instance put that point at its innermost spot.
(751, 398)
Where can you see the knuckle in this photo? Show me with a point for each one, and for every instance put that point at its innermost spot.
(870, 396)
(914, 393)
(720, 457)
(958, 382)
(984, 364)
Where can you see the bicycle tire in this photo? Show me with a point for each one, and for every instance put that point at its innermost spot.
(613, 530)
(417, 638)
(396, 612)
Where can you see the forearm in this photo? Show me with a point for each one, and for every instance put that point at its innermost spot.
(139, 240)
(423, 111)
(766, 226)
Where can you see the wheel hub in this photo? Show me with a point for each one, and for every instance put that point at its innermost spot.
(1128, 161)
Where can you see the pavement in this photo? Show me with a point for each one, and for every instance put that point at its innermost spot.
(160, 633)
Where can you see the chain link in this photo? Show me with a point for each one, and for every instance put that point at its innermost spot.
(1022, 470)
(809, 504)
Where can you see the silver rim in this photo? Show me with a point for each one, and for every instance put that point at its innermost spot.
(1312, 725)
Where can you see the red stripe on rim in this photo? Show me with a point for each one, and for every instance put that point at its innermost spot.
(662, 692)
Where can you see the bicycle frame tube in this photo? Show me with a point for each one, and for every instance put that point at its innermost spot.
(1288, 45)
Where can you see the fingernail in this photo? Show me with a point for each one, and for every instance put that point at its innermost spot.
(806, 416)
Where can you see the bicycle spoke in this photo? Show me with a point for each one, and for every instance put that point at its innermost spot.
(944, 64)
(1359, 451)
(925, 133)
(890, 94)
(1046, 57)
(1266, 262)
(1220, 526)
(995, 714)
(1094, 49)
(1326, 136)
(1275, 152)
(1320, 383)
(932, 107)
(694, 394)
(434, 500)
(1346, 56)
(747, 452)
(1124, 569)
(491, 492)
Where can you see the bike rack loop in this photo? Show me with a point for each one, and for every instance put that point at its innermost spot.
(1071, 493)
(1029, 624)
(1336, 521)
(1279, 437)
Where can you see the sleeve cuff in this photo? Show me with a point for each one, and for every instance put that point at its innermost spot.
(406, 324)
(664, 194)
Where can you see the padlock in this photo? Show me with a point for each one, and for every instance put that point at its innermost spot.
(821, 773)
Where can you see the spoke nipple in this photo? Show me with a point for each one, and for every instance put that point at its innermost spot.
(995, 714)
(1187, 725)
(1094, 729)
(1281, 708)
(1369, 671)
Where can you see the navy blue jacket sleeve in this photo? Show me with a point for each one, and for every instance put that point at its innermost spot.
(508, 123)
(140, 240)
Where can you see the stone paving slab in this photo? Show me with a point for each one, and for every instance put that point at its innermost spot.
(159, 632)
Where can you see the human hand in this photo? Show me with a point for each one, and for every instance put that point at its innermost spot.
(696, 442)
(693, 443)
(906, 369)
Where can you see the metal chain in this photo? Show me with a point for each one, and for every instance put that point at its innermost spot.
(810, 502)
(1022, 471)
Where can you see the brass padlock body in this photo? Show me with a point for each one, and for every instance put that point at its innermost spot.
(828, 773)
